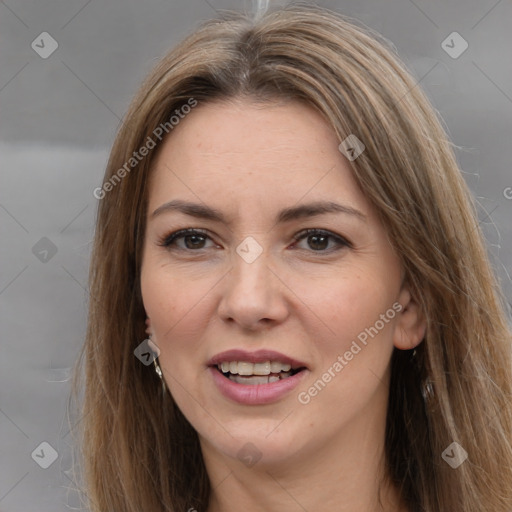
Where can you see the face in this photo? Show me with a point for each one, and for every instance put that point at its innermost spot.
(269, 314)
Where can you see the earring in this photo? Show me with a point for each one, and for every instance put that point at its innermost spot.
(427, 390)
(158, 370)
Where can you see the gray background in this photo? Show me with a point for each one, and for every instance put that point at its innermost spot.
(59, 116)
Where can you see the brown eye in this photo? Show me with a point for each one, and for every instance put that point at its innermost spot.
(193, 240)
(318, 240)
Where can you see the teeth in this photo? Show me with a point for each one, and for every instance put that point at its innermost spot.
(258, 379)
(246, 368)
(249, 380)
(276, 367)
(261, 368)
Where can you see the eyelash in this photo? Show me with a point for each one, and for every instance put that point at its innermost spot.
(168, 240)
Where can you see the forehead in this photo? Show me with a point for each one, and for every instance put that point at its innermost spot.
(230, 153)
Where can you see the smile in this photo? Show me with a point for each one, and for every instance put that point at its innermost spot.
(255, 378)
(244, 372)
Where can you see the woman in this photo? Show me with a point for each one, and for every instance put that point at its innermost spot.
(283, 215)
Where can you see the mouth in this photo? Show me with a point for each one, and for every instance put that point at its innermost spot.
(256, 368)
(251, 374)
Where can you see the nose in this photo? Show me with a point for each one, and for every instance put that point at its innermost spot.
(254, 297)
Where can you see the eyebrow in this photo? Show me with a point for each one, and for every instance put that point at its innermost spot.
(202, 211)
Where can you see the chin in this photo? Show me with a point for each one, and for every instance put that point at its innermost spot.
(251, 449)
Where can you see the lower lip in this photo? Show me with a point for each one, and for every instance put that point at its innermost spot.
(257, 394)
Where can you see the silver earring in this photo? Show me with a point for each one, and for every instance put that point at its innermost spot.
(427, 390)
(158, 370)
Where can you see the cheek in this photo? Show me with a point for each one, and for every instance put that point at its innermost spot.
(346, 306)
(177, 306)
(168, 297)
(353, 353)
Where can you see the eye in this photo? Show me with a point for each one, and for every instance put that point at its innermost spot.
(194, 239)
(318, 240)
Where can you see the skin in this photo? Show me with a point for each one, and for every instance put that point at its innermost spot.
(250, 161)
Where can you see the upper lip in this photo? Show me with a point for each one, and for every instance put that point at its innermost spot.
(258, 356)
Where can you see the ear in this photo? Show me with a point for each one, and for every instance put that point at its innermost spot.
(149, 330)
(411, 323)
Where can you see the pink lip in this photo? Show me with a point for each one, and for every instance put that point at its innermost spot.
(258, 394)
(258, 356)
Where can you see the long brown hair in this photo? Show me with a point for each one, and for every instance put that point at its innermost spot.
(138, 451)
